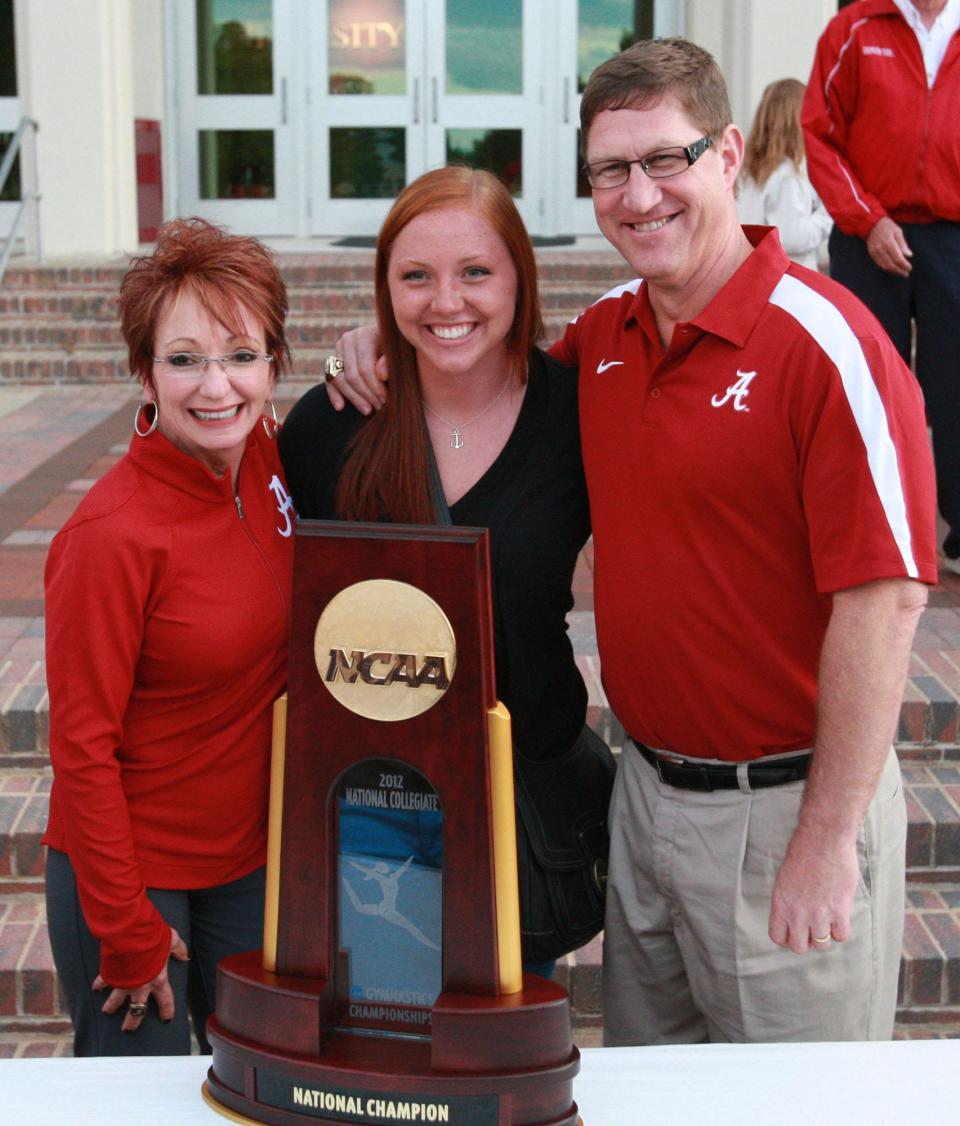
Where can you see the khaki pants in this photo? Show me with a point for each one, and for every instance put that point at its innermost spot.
(686, 954)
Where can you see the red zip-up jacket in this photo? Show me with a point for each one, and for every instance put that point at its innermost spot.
(167, 620)
(879, 141)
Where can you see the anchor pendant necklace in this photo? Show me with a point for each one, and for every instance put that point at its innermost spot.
(456, 435)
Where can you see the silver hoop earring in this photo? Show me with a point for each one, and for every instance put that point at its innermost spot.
(153, 425)
(271, 432)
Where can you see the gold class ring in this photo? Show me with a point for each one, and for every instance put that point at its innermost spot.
(332, 367)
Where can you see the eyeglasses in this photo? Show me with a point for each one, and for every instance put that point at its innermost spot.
(657, 165)
(237, 364)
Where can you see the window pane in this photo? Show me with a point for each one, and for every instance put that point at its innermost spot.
(484, 47)
(11, 189)
(234, 47)
(367, 47)
(497, 150)
(236, 164)
(8, 57)
(367, 163)
(607, 27)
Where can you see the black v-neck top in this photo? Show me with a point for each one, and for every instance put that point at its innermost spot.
(533, 499)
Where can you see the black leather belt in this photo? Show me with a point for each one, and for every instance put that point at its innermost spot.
(688, 774)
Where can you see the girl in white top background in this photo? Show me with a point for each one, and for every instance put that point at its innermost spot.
(774, 189)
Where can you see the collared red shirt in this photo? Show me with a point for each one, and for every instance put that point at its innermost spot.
(935, 39)
(775, 452)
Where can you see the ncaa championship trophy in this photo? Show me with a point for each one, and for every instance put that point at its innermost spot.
(390, 986)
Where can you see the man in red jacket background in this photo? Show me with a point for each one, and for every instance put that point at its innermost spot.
(881, 121)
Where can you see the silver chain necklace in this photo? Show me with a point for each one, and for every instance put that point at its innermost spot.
(456, 436)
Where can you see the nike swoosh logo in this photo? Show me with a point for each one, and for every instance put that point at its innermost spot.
(604, 364)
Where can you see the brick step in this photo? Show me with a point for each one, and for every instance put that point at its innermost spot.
(930, 967)
(60, 366)
(927, 730)
(927, 735)
(29, 316)
(59, 331)
(933, 833)
(29, 996)
(24, 800)
(933, 815)
(24, 306)
(928, 999)
(98, 364)
(54, 337)
(596, 267)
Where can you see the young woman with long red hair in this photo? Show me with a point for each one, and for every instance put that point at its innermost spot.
(480, 428)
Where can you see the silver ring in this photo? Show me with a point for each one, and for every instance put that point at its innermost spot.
(137, 1009)
(332, 367)
(820, 940)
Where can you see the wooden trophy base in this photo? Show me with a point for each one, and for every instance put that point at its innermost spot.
(489, 1061)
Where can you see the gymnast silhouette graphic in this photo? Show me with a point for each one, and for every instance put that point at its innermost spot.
(389, 883)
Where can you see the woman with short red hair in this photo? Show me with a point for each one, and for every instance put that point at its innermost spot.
(167, 601)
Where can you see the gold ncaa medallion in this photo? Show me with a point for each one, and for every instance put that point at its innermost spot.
(385, 650)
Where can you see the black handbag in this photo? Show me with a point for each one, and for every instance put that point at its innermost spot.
(562, 846)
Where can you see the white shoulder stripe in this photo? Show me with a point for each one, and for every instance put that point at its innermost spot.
(851, 34)
(618, 291)
(824, 322)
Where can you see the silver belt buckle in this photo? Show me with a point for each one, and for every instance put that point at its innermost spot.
(667, 756)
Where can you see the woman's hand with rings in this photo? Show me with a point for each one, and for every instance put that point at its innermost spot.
(356, 373)
(137, 999)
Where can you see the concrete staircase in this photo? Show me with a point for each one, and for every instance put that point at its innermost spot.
(58, 327)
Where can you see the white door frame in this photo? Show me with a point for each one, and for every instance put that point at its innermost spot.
(570, 214)
(276, 112)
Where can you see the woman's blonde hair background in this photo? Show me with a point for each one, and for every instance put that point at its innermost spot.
(775, 135)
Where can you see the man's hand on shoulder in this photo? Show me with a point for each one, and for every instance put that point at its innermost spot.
(887, 246)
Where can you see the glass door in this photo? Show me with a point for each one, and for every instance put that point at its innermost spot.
(233, 81)
(9, 116)
(407, 85)
(589, 32)
(366, 101)
(485, 95)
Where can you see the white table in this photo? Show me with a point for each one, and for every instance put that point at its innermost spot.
(908, 1083)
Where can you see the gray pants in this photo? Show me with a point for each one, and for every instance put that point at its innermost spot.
(686, 954)
(213, 922)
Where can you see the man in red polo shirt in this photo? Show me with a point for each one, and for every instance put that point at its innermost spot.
(762, 498)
